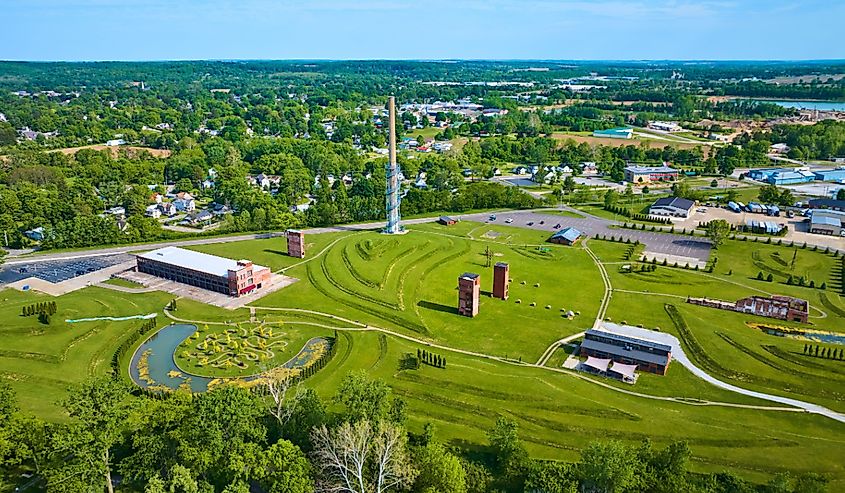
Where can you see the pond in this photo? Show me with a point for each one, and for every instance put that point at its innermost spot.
(160, 368)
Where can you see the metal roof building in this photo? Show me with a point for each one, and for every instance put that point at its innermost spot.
(566, 236)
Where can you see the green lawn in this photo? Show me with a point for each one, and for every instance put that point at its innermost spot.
(407, 284)
(42, 361)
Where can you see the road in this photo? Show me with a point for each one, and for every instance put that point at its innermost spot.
(44, 257)
(680, 356)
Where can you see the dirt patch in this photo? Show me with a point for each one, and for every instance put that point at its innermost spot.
(621, 142)
(115, 150)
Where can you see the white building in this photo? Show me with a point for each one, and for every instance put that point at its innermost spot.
(153, 211)
(665, 126)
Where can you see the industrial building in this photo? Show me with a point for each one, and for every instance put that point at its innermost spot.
(222, 275)
(836, 175)
(646, 174)
(469, 289)
(665, 126)
(827, 222)
(832, 204)
(650, 356)
(615, 133)
(671, 206)
(501, 273)
(566, 236)
(781, 176)
(776, 306)
(296, 243)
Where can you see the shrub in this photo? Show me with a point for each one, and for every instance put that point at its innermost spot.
(770, 278)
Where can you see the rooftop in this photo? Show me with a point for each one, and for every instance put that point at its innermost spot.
(674, 202)
(625, 338)
(635, 168)
(570, 234)
(634, 354)
(197, 261)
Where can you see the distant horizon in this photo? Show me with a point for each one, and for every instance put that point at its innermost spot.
(443, 60)
(596, 30)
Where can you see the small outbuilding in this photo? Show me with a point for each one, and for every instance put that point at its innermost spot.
(447, 220)
(566, 236)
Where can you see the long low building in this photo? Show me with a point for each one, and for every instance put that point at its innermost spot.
(222, 275)
(650, 356)
(647, 174)
(827, 222)
(775, 306)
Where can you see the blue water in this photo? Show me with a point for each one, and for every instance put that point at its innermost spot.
(162, 346)
(810, 105)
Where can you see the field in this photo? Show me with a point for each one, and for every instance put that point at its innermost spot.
(388, 296)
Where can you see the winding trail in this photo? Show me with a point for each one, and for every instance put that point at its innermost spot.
(359, 327)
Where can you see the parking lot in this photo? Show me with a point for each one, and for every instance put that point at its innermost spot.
(56, 271)
(660, 245)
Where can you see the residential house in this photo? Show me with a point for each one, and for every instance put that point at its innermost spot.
(153, 211)
(167, 209)
(116, 211)
(185, 204)
(36, 234)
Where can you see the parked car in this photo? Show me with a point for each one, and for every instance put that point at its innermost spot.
(557, 226)
(492, 217)
(531, 223)
(508, 220)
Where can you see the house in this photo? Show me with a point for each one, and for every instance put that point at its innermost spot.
(167, 209)
(589, 167)
(779, 148)
(153, 211)
(566, 236)
(156, 197)
(207, 184)
(615, 133)
(115, 142)
(671, 206)
(116, 211)
(447, 221)
(442, 146)
(220, 209)
(521, 170)
(266, 181)
(185, 204)
(647, 174)
(36, 234)
(122, 225)
(544, 175)
(420, 181)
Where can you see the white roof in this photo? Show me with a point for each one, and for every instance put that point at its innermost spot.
(202, 262)
(599, 364)
(623, 369)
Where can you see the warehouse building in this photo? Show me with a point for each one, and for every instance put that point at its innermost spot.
(615, 133)
(827, 222)
(836, 175)
(832, 204)
(222, 275)
(671, 206)
(650, 356)
(775, 306)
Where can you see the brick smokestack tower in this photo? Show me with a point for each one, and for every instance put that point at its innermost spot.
(500, 280)
(296, 243)
(469, 287)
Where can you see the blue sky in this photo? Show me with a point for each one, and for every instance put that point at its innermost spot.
(424, 29)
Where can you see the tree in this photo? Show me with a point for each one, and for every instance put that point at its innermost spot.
(440, 471)
(608, 467)
(610, 198)
(99, 408)
(363, 398)
(504, 440)
(840, 194)
(718, 231)
(361, 458)
(284, 469)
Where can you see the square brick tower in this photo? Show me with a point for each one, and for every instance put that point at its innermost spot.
(500, 280)
(469, 287)
(296, 243)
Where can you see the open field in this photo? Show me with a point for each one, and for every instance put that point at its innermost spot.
(388, 296)
(653, 143)
(115, 150)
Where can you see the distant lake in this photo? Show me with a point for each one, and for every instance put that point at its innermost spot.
(809, 105)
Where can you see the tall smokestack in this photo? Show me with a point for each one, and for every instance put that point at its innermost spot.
(391, 195)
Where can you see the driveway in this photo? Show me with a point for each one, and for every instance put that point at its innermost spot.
(679, 356)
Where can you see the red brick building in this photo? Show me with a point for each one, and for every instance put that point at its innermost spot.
(296, 243)
(469, 288)
(500, 280)
(232, 277)
(782, 307)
